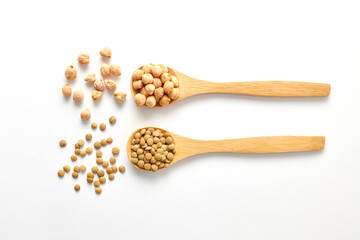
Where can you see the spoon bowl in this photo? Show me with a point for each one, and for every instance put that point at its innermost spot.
(186, 147)
(189, 86)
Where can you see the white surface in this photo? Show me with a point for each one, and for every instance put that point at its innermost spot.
(214, 196)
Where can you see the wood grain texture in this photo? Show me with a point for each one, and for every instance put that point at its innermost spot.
(186, 147)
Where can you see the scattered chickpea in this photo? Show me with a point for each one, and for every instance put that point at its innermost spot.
(97, 145)
(102, 126)
(90, 175)
(112, 119)
(115, 150)
(111, 176)
(62, 143)
(103, 142)
(114, 169)
(102, 180)
(119, 96)
(94, 169)
(83, 58)
(66, 168)
(82, 168)
(110, 84)
(75, 175)
(109, 140)
(89, 150)
(66, 90)
(90, 78)
(115, 70)
(98, 190)
(99, 85)
(77, 187)
(105, 69)
(105, 53)
(70, 72)
(140, 99)
(73, 158)
(89, 180)
(96, 183)
(77, 146)
(112, 160)
(121, 169)
(88, 137)
(77, 152)
(78, 95)
(96, 95)
(99, 161)
(61, 173)
(94, 125)
(86, 114)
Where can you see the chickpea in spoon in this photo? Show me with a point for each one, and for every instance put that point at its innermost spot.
(152, 149)
(156, 85)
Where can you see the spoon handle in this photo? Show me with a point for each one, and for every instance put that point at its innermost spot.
(260, 88)
(274, 144)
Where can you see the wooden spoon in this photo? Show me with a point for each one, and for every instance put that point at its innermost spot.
(190, 86)
(186, 147)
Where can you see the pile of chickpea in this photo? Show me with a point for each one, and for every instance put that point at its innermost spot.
(154, 85)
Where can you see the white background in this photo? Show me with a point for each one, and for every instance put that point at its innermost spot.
(312, 195)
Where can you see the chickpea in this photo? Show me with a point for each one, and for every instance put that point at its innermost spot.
(100, 173)
(140, 99)
(110, 85)
(114, 169)
(149, 89)
(62, 143)
(75, 174)
(137, 84)
(105, 164)
(99, 85)
(137, 74)
(94, 125)
(154, 167)
(119, 96)
(151, 101)
(105, 53)
(99, 154)
(102, 126)
(99, 161)
(156, 71)
(111, 176)
(73, 158)
(89, 180)
(168, 87)
(147, 68)
(90, 78)
(109, 140)
(143, 92)
(164, 101)
(66, 90)
(115, 70)
(90, 175)
(158, 93)
(78, 95)
(85, 115)
(83, 58)
(88, 137)
(175, 93)
(102, 180)
(165, 69)
(103, 142)
(70, 72)
(66, 168)
(109, 170)
(96, 95)
(77, 169)
(175, 81)
(97, 145)
(147, 78)
(105, 69)
(165, 77)
(157, 82)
